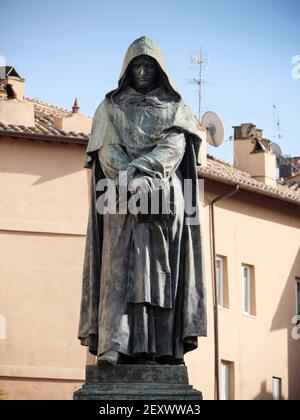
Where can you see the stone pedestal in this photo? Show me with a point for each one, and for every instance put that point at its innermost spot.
(137, 382)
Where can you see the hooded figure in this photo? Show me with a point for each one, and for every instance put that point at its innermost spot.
(143, 296)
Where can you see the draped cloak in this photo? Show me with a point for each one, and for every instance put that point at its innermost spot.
(143, 285)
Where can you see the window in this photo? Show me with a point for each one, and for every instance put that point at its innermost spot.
(227, 380)
(276, 388)
(222, 281)
(246, 287)
(249, 305)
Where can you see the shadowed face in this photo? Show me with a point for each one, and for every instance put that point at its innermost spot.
(144, 73)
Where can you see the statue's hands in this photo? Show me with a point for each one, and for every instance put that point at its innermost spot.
(140, 185)
(125, 177)
(131, 173)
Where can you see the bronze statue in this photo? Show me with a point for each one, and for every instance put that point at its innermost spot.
(143, 297)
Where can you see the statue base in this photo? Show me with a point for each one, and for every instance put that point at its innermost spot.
(137, 382)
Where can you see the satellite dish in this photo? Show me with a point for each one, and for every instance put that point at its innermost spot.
(276, 149)
(214, 128)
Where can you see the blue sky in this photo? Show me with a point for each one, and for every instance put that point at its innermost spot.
(75, 48)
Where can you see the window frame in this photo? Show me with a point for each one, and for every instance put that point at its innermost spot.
(250, 310)
(220, 281)
(247, 304)
(227, 391)
(276, 380)
(222, 284)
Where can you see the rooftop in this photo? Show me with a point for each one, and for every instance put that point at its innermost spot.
(44, 115)
(9, 71)
(221, 171)
(215, 169)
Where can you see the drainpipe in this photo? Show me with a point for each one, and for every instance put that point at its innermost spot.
(214, 284)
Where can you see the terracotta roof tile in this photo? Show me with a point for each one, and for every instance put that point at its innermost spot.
(44, 115)
(217, 169)
(223, 171)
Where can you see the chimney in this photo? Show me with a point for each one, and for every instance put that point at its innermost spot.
(9, 76)
(252, 154)
(76, 122)
(14, 110)
(75, 108)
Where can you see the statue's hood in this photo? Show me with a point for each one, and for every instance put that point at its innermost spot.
(144, 46)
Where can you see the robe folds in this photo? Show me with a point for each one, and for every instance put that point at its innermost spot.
(143, 283)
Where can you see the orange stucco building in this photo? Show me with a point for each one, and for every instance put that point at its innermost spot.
(43, 217)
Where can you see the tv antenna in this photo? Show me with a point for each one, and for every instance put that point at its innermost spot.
(200, 60)
(214, 127)
(276, 124)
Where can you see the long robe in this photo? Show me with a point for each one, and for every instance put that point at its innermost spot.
(143, 285)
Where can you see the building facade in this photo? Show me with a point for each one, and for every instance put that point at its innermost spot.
(43, 217)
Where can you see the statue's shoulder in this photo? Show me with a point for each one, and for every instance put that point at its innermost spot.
(105, 112)
(186, 119)
(103, 129)
(102, 109)
(184, 108)
(184, 112)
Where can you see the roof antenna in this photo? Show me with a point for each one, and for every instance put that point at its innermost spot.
(276, 124)
(200, 60)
